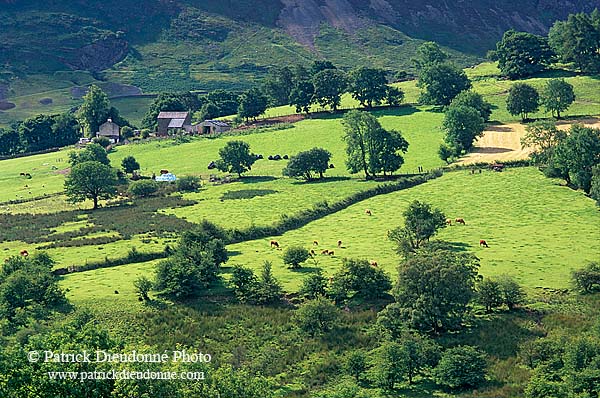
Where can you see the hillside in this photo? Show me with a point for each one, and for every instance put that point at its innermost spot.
(192, 44)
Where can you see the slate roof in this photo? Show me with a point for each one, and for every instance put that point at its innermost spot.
(173, 115)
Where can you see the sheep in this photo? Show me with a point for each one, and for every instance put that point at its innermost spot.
(325, 252)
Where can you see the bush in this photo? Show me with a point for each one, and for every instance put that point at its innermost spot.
(188, 184)
(295, 255)
(313, 285)
(129, 164)
(143, 188)
(102, 141)
(316, 316)
(587, 279)
(250, 289)
(145, 133)
(461, 367)
(489, 294)
(142, 286)
(358, 278)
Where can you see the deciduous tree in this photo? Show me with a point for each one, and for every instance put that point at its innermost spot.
(90, 180)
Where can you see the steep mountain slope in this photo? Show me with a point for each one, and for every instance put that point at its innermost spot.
(203, 44)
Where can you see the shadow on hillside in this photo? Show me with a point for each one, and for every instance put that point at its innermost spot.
(491, 150)
(498, 128)
(255, 179)
(322, 180)
(306, 270)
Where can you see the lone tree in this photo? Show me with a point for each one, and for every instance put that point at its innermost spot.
(129, 164)
(95, 109)
(522, 54)
(253, 103)
(442, 82)
(522, 100)
(368, 86)
(557, 96)
(329, 86)
(421, 223)
(91, 180)
(294, 256)
(308, 163)
(369, 147)
(463, 125)
(236, 158)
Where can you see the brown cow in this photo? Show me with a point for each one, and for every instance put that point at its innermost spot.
(460, 221)
(24, 253)
(368, 212)
(312, 253)
(331, 253)
(483, 243)
(339, 243)
(325, 252)
(373, 263)
(163, 171)
(448, 221)
(316, 242)
(274, 243)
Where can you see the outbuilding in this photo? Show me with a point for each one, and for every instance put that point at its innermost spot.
(212, 127)
(174, 122)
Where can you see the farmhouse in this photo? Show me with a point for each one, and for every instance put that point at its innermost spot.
(174, 122)
(212, 127)
(110, 130)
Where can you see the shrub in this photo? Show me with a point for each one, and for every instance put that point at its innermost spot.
(316, 316)
(188, 184)
(145, 133)
(102, 141)
(244, 283)
(359, 278)
(587, 279)
(313, 285)
(143, 188)
(142, 286)
(461, 367)
(489, 294)
(129, 164)
(295, 255)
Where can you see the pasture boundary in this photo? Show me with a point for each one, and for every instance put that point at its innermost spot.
(287, 223)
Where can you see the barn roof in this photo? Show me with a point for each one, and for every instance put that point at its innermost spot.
(176, 123)
(219, 123)
(173, 115)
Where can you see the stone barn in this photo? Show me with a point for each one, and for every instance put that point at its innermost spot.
(110, 130)
(212, 127)
(173, 122)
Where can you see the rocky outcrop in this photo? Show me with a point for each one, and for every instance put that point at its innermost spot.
(99, 55)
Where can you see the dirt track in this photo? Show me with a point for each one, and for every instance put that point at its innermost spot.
(503, 142)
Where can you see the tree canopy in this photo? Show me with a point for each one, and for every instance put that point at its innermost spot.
(557, 96)
(522, 54)
(371, 148)
(235, 158)
(90, 180)
(329, 85)
(522, 100)
(442, 82)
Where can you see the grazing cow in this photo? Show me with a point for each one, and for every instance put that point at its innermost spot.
(274, 243)
(22, 174)
(212, 165)
(116, 292)
(277, 157)
(373, 263)
(339, 243)
(163, 171)
(368, 212)
(483, 243)
(448, 221)
(28, 175)
(312, 253)
(24, 253)
(325, 251)
(331, 253)
(286, 157)
(316, 242)
(331, 166)
(270, 157)
(460, 221)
